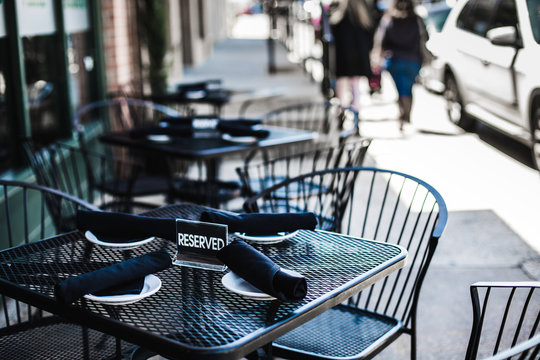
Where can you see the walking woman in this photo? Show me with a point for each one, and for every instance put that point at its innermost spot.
(400, 40)
(351, 26)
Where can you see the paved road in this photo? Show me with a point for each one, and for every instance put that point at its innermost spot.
(492, 192)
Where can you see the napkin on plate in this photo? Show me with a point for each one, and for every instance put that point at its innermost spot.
(120, 227)
(261, 272)
(172, 130)
(107, 280)
(235, 129)
(262, 223)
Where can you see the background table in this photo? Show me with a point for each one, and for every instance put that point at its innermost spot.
(210, 149)
(194, 316)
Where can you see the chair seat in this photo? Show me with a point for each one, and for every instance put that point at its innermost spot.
(342, 332)
(54, 338)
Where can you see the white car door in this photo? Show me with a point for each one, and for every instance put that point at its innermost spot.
(498, 91)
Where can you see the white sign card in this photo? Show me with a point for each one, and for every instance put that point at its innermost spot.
(2, 21)
(75, 16)
(197, 244)
(36, 17)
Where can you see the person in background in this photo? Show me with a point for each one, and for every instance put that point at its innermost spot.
(351, 26)
(399, 47)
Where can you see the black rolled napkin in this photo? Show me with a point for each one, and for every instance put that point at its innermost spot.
(262, 223)
(121, 227)
(107, 279)
(241, 130)
(240, 122)
(261, 272)
(172, 130)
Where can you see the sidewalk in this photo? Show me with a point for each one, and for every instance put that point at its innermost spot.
(478, 245)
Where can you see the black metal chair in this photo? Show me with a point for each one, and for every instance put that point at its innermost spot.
(375, 204)
(333, 123)
(506, 317)
(30, 212)
(106, 182)
(260, 176)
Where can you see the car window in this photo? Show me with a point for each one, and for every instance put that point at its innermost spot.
(505, 15)
(476, 15)
(534, 16)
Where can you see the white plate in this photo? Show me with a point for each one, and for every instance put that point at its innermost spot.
(239, 139)
(195, 94)
(151, 285)
(267, 239)
(120, 246)
(240, 286)
(161, 138)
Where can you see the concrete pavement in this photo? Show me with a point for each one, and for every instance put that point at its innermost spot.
(492, 193)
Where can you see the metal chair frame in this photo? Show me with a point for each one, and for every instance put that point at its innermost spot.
(25, 211)
(107, 182)
(506, 318)
(331, 121)
(370, 203)
(260, 176)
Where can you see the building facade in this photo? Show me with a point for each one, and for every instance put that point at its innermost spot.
(59, 55)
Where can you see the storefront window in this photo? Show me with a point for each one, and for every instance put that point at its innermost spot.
(37, 27)
(80, 54)
(4, 130)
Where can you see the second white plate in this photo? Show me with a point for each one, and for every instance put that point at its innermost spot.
(119, 246)
(267, 239)
(239, 139)
(161, 138)
(240, 286)
(151, 285)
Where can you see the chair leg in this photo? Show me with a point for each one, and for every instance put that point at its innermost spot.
(413, 338)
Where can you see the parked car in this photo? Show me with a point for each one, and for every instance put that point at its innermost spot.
(487, 59)
(434, 15)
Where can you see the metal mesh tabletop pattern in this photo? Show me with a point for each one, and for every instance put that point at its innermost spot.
(193, 314)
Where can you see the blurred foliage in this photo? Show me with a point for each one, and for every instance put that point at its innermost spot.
(153, 29)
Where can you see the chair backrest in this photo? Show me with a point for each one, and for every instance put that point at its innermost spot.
(374, 204)
(260, 176)
(30, 212)
(331, 121)
(82, 173)
(506, 317)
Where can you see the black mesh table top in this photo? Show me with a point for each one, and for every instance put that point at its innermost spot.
(211, 147)
(193, 315)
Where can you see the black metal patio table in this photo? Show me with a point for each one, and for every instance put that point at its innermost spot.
(210, 149)
(193, 316)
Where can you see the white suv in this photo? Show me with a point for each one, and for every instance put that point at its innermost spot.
(488, 60)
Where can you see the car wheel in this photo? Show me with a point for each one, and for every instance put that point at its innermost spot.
(454, 104)
(535, 132)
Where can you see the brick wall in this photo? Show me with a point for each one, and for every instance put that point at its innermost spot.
(121, 46)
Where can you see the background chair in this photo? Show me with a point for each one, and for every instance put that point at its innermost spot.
(260, 176)
(375, 204)
(107, 182)
(31, 212)
(332, 122)
(506, 317)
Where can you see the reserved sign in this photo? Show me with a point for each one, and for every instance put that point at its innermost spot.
(197, 244)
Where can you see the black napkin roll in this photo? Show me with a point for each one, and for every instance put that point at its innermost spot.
(240, 122)
(172, 130)
(121, 227)
(261, 272)
(105, 280)
(241, 130)
(262, 223)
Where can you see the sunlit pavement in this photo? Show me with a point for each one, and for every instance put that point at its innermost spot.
(491, 190)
